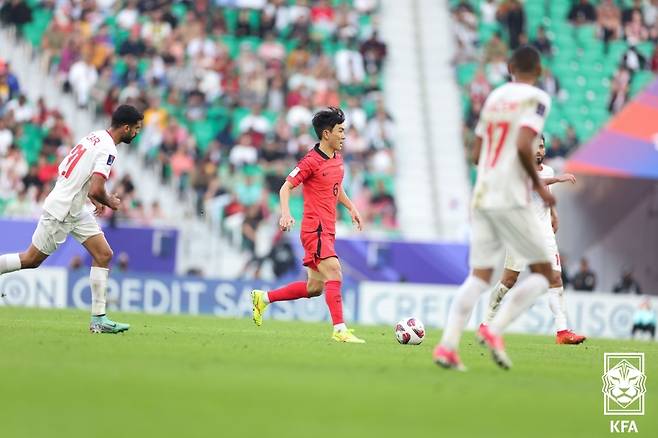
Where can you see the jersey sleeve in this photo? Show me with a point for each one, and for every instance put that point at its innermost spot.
(300, 173)
(103, 162)
(535, 112)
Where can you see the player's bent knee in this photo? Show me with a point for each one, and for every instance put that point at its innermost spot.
(314, 288)
(104, 257)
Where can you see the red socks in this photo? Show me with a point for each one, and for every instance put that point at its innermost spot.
(334, 300)
(292, 291)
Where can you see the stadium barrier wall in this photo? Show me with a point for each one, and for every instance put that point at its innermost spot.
(594, 314)
(149, 249)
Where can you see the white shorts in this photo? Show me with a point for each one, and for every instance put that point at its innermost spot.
(512, 229)
(515, 263)
(51, 233)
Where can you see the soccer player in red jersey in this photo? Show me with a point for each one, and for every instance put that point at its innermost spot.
(321, 173)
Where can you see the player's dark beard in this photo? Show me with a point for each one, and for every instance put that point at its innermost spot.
(128, 138)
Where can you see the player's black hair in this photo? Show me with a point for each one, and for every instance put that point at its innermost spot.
(525, 59)
(327, 119)
(543, 139)
(126, 115)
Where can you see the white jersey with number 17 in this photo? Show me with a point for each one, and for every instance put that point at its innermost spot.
(502, 182)
(93, 154)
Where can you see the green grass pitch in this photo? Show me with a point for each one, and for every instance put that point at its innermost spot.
(178, 376)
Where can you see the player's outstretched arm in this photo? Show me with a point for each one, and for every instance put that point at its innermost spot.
(97, 193)
(526, 155)
(354, 213)
(567, 177)
(287, 221)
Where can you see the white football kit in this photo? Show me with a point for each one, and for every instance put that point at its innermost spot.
(63, 209)
(502, 215)
(516, 263)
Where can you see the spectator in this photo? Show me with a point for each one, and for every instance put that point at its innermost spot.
(488, 11)
(571, 140)
(549, 83)
(627, 14)
(349, 66)
(465, 27)
(22, 110)
(255, 121)
(635, 31)
(650, 13)
(82, 77)
(582, 12)
(644, 320)
(373, 51)
(479, 88)
(619, 90)
(609, 21)
(243, 152)
(6, 137)
(627, 284)
(253, 218)
(355, 115)
(654, 60)
(134, 45)
(128, 16)
(585, 279)
(513, 18)
(495, 48)
(32, 179)
(542, 43)
(15, 12)
(20, 206)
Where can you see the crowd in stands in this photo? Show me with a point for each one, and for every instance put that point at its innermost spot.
(596, 55)
(34, 138)
(228, 89)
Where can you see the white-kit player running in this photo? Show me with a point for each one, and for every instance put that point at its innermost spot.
(515, 264)
(507, 137)
(82, 175)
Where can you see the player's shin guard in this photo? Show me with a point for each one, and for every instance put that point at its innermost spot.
(98, 278)
(292, 291)
(9, 263)
(460, 310)
(519, 298)
(558, 306)
(334, 301)
(496, 298)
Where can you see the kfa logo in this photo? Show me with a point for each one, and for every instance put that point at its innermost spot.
(623, 426)
(623, 384)
(623, 389)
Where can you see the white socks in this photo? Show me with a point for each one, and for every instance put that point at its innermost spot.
(266, 297)
(460, 310)
(9, 263)
(497, 295)
(340, 327)
(98, 281)
(558, 306)
(520, 297)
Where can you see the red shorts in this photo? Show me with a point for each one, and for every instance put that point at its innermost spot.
(318, 246)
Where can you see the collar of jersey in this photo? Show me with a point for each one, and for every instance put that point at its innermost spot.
(319, 151)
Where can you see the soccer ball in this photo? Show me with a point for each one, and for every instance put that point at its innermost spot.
(410, 331)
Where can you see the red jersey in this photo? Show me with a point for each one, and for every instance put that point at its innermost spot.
(322, 177)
